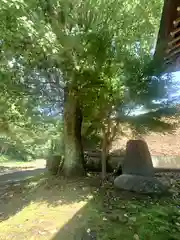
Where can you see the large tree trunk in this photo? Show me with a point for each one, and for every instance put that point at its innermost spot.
(74, 157)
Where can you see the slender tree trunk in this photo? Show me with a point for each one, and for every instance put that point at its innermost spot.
(105, 149)
(104, 159)
(4, 149)
(74, 157)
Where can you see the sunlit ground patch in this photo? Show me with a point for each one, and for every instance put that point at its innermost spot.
(55, 209)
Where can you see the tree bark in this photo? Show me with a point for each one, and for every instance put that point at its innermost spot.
(104, 159)
(74, 157)
(105, 148)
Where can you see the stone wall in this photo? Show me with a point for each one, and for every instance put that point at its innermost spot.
(164, 162)
(171, 162)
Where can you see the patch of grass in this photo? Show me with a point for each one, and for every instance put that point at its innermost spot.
(49, 208)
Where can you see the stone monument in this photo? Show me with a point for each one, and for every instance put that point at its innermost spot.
(137, 170)
(138, 159)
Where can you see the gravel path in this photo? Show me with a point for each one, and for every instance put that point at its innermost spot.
(14, 173)
(20, 175)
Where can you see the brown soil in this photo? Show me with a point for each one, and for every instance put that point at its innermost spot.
(159, 143)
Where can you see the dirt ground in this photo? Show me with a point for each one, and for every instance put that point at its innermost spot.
(15, 171)
(54, 209)
(159, 143)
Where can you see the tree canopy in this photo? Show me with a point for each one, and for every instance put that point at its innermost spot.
(82, 60)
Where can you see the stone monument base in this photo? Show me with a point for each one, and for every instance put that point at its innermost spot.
(141, 184)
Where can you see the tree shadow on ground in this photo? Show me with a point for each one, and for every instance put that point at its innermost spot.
(113, 214)
(44, 188)
(106, 212)
(5, 169)
(91, 222)
(17, 174)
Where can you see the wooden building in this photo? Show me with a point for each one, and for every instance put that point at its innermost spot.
(168, 42)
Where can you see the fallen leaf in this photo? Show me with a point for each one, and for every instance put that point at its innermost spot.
(123, 207)
(133, 219)
(136, 237)
(53, 231)
(42, 232)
